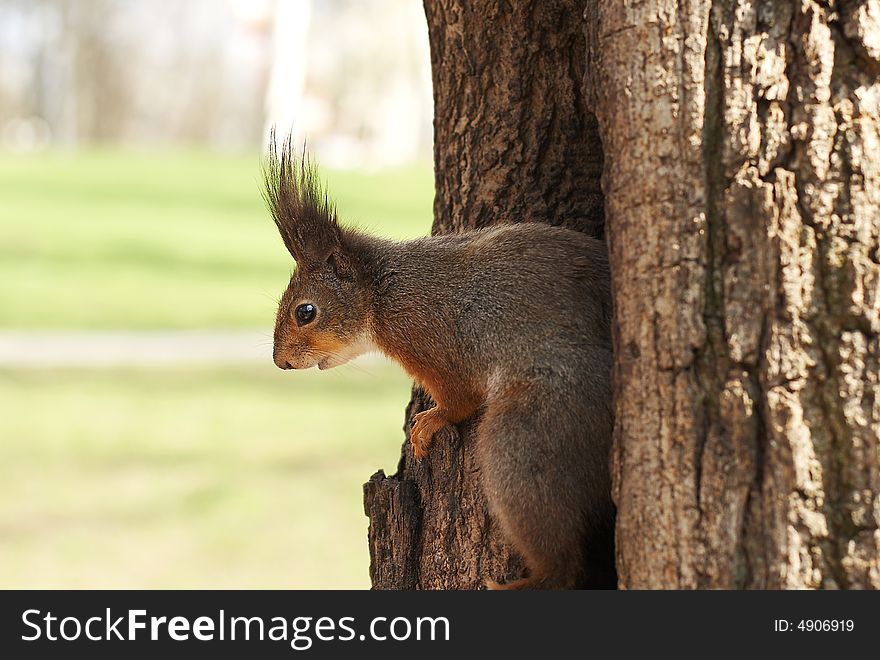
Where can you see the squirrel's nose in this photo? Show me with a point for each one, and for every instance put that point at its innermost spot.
(281, 363)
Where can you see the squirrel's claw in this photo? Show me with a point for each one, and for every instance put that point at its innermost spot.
(521, 584)
(425, 425)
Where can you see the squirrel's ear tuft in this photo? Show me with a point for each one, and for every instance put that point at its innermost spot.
(300, 207)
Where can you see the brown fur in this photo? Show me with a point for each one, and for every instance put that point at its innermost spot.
(512, 321)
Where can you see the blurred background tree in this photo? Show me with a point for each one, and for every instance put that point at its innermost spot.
(353, 76)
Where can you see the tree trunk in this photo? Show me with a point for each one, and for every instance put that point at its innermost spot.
(513, 142)
(742, 180)
(743, 221)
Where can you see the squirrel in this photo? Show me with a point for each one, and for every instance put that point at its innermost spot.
(508, 325)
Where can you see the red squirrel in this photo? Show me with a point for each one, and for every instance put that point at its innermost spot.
(508, 325)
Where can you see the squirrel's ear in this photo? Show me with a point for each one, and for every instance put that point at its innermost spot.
(341, 264)
(301, 209)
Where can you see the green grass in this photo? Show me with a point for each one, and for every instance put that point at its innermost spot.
(182, 477)
(107, 239)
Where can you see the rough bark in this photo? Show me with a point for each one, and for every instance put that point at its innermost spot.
(742, 181)
(513, 142)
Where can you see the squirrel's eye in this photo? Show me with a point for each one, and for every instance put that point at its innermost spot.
(305, 313)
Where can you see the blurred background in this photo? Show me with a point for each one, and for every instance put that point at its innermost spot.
(146, 438)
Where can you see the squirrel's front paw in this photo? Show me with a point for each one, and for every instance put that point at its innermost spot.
(425, 425)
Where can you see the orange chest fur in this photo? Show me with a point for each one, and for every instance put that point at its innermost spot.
(449, 389)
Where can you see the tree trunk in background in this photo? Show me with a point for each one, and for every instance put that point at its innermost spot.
(742, 146)
(513, 142)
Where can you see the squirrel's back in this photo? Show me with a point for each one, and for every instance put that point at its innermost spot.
(513, 295)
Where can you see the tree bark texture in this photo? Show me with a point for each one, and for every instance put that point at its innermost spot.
(513, 142)
(742, 182)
